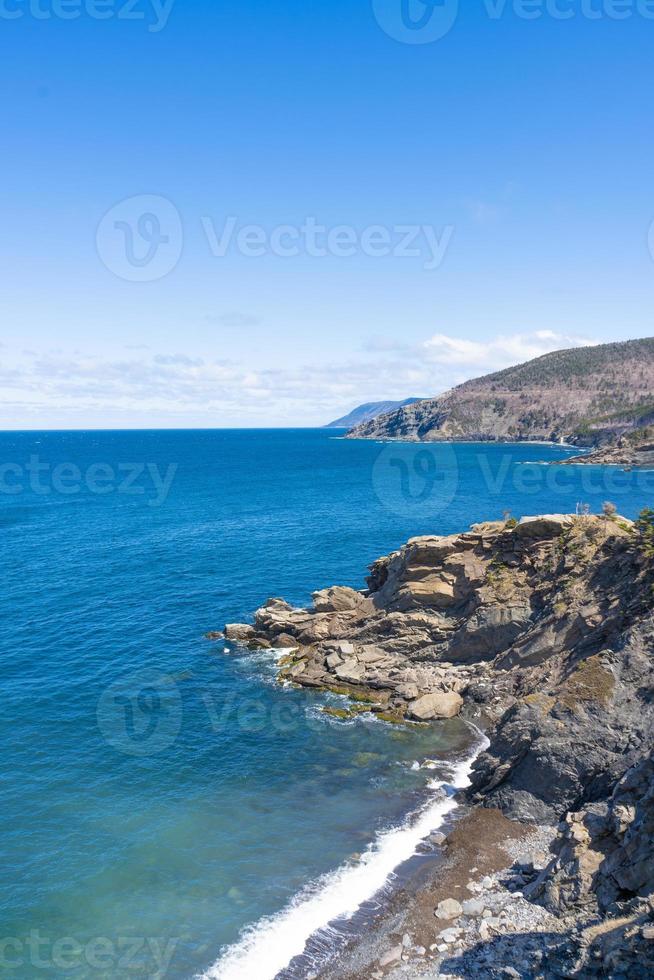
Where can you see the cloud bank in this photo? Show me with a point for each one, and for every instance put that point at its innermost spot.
(146, 388)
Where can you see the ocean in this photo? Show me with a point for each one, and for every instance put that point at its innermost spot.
(166, 808)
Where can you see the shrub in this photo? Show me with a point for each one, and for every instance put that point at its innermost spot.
(645, 529)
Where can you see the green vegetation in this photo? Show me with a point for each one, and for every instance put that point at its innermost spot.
(344, 713)
(392, 717)
(593, 395)
(645, 531)
(576, 364)
(365, 697)
(592, 681)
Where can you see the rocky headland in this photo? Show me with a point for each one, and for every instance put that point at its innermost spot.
(541, 632)
(635, 450)
(586, 396)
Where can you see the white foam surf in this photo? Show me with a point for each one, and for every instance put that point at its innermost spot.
(268, 947)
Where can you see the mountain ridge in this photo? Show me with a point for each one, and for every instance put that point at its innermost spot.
(587, 396)
(367, 412)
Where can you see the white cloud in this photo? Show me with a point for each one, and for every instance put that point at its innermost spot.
(481, 212)
(53, 388)
(498, 352)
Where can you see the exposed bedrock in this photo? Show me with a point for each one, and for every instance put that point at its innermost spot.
(542, 632)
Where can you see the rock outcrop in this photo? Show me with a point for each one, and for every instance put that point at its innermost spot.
(542, 632)
(632, 450)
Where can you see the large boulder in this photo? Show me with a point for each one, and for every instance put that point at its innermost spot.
(432, 591)
(351, 671)
(437, 705)
(429, 550)
(340, 599)
(239, 632)
(544, 526)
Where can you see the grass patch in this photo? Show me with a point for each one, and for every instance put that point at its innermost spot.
(591, 681)
(541, 701)
(364, 697)
(344, 713)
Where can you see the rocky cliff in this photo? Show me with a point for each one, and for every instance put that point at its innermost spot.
(368, 412)
(542, 632)
(632, 449)
(587, 396)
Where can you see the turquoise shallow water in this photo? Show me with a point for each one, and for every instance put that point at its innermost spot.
(157, 795)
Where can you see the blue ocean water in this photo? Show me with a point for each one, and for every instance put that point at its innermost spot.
(158, 794)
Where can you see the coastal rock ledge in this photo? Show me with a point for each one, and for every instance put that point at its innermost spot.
(541, 632)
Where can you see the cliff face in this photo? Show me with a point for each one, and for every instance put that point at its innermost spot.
(368, 412)
(633, 449)
(542, 632)
(587, 396)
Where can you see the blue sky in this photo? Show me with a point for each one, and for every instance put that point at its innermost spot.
(522, 146)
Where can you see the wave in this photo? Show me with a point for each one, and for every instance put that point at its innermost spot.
(267, 948)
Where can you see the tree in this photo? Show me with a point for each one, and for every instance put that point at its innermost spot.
(645, 528)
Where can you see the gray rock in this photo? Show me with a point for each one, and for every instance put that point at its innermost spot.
(351, 671)
(239, 632)
(489, 631)
(340, 599)
(393, 955)
(372, 657)
(449, 908)
(474, 906)
(543, 526)
(438, 705)
(286, 642)
(409, 692)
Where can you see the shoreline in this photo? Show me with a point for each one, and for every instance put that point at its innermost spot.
(542, 631)
(464, 442)
(327, 913)
(476, 867)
